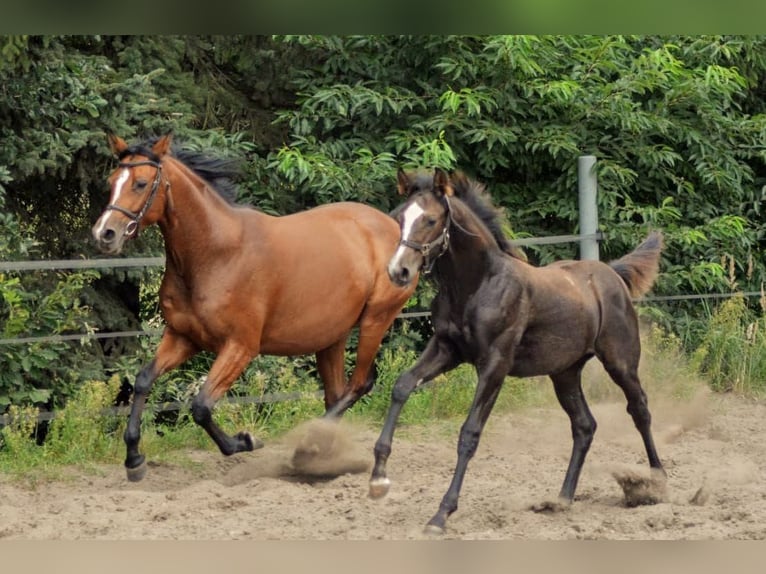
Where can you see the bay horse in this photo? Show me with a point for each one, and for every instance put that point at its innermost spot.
(509, 318)
(240, 283)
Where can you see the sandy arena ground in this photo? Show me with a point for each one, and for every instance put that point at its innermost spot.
(713, 448)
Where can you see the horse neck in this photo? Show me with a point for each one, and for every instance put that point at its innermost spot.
(197, 222)
(472, 255)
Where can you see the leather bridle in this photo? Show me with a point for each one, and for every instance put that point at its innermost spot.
(136, 217)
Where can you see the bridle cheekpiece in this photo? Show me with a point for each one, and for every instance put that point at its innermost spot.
(136, 217)
(432, 250)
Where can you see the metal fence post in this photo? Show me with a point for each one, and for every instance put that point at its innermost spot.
(587, 189)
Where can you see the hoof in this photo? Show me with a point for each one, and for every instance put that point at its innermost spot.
(137, 473)
(248, 443)
(379, 487)
(433, 530)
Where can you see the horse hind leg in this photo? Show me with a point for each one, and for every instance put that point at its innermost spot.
(372, 329)
(639, 490)
(331, 368)
(638, 407)
(568, 388)
(226, 368)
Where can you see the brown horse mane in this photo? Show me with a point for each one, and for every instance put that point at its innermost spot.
(219, 172)
(475, 196)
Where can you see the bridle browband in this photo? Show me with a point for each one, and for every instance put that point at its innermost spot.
(133, 226)
(426, 249)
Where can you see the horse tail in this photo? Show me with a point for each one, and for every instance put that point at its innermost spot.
(639, 268)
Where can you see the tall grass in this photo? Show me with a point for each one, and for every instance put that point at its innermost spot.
(732, 354)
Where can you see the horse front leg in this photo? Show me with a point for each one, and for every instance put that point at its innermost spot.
(437, 358)
(172, 351)
(227, 366)
(487, 389)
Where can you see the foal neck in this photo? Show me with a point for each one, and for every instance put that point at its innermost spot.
(472, 250)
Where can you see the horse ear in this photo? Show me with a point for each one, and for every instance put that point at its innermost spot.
(162, 145)
(402, 182)
(116, 143)
(442, 184)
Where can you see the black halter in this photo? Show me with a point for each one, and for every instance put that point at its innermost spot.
(441, 244)
(132, 227)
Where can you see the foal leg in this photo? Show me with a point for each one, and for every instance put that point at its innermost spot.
(627, 378)
(227, 366)
(437, 358)
(568, 387)
(487, 389)
(172, 351)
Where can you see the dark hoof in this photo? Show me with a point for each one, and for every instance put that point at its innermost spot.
(137, 473)
(247, 443)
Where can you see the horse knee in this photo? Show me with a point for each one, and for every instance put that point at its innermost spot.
(403, 387)
(468, 441)
(144, 380)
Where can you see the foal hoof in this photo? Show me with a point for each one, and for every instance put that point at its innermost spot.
(136, 474)
(433, 530)
(379, 487)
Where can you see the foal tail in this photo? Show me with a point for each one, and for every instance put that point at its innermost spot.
(640, 267)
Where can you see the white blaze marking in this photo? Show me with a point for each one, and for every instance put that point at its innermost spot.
(409, 217)
(116, 191)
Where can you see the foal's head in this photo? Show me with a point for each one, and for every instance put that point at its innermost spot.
(424, 221)
(137, 192)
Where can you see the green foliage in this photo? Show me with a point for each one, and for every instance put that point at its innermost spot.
(677, 124)
(82, 434)
(732, 355)
(39, 304)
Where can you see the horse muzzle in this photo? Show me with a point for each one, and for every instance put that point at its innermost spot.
(110, 235)
(401, 274)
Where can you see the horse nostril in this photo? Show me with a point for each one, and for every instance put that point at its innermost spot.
(108, 235)
(404, 274)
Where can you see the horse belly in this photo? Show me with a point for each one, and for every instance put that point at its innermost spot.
(545, 351)
(308, 324)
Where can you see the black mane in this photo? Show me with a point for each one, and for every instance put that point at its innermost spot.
(219, 172)
(475, 196)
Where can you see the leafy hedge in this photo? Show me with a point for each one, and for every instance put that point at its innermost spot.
(677, 124)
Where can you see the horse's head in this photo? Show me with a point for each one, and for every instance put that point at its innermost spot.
(137, 192)
(424, 221)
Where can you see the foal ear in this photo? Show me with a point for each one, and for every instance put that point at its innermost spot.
(116, 143)
(402, 182)
(162, 145)
(442, 185)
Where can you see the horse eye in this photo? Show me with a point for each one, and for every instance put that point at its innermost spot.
(430, 221)
(139, 185)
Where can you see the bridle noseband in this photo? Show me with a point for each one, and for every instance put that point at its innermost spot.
(441, 244)
(132, 227)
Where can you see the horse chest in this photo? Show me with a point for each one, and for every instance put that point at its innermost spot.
(194, 314)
